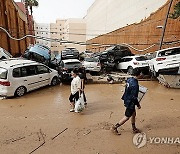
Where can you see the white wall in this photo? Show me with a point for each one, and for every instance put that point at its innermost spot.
(43, 30)
(107, 15)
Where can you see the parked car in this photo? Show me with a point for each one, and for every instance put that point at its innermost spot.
(129, 63)
(66, 66)
(70, 53)
(165, 61)
(4, 54)
(85, 54)
(18, 76)
(92, 64)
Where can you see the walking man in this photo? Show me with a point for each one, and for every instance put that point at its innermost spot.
(130, 101)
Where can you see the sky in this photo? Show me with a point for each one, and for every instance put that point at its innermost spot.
(50, 10)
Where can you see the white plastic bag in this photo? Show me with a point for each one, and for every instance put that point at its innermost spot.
(79, 104)
(142, 92)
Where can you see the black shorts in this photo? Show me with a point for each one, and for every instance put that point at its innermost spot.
(75, 97)
(129, 112)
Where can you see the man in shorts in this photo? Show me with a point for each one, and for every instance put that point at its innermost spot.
(130, 101)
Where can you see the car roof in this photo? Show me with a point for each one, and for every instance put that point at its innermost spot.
(167, 49)
(70, 60)
(14, 62)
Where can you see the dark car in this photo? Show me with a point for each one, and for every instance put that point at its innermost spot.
(66, 66)
(70, 53)
(115, 53)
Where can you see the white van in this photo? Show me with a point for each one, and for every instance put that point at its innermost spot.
(18, 76)
(4, 54)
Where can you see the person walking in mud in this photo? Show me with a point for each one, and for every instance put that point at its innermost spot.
(75, 89)
(130, 101)
(82, 75)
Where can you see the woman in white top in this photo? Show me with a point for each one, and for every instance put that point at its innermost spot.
(75, 89)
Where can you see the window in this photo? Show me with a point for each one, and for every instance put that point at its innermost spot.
(142, 58)
(127, 59)
(17, 72)
(3, 73)
(169, 52)
(31, 70)
(42, 69)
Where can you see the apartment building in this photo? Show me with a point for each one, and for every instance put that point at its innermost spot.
(73, 30)
(42, 30)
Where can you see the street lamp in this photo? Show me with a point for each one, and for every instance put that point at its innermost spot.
(164, 27)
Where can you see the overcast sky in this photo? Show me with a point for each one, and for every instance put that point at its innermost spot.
(50, 10)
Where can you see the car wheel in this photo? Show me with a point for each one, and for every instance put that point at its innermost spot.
(20, 91)
(130, 70)
(54, 81)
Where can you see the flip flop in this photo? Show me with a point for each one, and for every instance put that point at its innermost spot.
(115, 131)
(135, 131)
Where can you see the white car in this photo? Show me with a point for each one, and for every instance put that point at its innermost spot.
(129, 63)
(165, 60)
(18, 76)
(92, 64)
(4, 54)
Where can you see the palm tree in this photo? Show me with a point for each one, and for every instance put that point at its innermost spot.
(31, 4)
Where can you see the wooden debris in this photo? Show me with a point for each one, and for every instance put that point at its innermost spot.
(59, 133)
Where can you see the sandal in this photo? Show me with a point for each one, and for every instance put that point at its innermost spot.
(114, 130)
(135, 130)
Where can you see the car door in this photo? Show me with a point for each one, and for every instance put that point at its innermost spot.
(31, 77)
(125, 63)
(172, 57)
(44, 75)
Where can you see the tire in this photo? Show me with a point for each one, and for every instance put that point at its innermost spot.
(20, 91)
(54, 81)
(130, 70)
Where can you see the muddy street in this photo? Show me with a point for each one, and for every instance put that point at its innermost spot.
(40, 121)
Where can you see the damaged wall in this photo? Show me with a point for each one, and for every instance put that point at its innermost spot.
(15, 21)
(142, 35)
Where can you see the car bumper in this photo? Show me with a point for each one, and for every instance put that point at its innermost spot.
(169, 70)
(65, 76)
(6, 91)
(93, 69)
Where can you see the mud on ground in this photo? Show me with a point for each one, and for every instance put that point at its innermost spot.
(40, 121)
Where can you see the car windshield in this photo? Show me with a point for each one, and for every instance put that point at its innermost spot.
(91, 59)
(169, 52)
(72, 64)
(3, 73)
(141, 58)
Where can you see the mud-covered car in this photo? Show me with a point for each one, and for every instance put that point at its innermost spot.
(70, 53)
(41, 54)
(66, 66)
(111, 56)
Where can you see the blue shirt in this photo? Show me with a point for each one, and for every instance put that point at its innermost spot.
(131, 93)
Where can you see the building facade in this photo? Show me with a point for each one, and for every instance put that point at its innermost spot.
(69, 30)
(42, 30)
(141, 28)
(105, 16)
